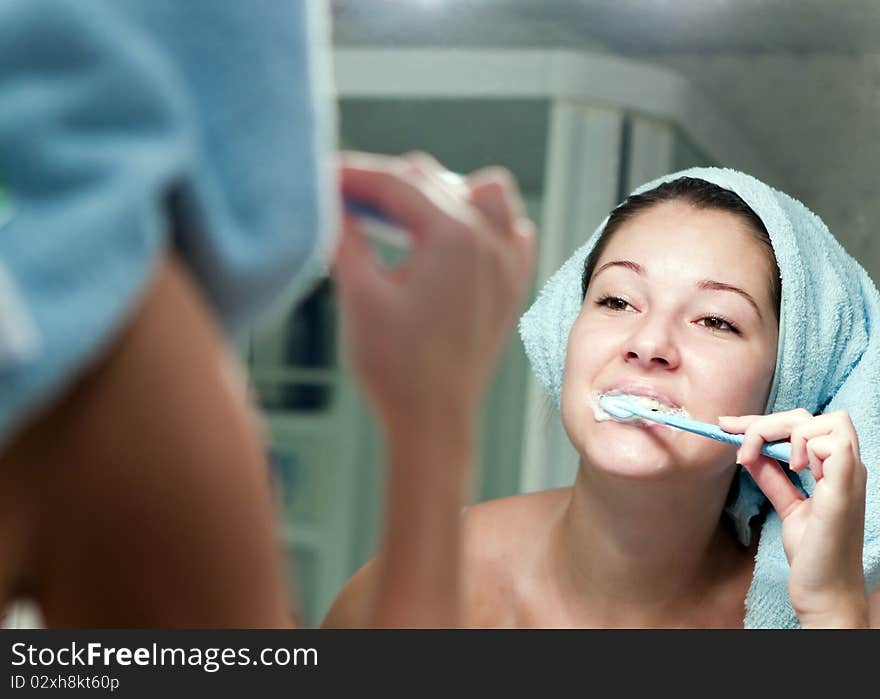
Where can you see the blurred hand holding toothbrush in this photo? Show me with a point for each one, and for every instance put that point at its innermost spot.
(423, 338)
(427, 333)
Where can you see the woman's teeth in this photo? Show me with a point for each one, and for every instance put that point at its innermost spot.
(643, 401)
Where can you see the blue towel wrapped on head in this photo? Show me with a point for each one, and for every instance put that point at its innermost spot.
(828, 359)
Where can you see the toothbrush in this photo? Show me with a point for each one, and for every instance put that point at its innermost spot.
(379, 226)
(622, 408)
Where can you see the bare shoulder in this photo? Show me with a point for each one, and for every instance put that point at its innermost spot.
(495, 527)
(503, 539)
(350, 609)
(500, 539)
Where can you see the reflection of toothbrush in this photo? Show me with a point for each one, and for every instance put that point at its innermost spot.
(622, 408)
(378, 225)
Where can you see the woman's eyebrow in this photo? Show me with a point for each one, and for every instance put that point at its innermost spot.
(629, 264)
(712, 285)
(708, 284)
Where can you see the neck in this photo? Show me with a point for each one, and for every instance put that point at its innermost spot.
(645, 550)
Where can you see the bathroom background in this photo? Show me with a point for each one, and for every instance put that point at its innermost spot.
(581, 100)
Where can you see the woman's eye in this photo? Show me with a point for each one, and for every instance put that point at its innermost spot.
(719, 324)
(614, 303)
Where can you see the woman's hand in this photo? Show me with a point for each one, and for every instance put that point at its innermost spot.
(823, 534)
(424, 337)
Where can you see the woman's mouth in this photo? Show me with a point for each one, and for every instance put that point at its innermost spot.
(647, 402)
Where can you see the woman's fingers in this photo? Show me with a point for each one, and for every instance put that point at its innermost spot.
(814, 440)
(491, 190)
(822, 534)
(494, 191)
(776, 423)
(356, 269)
(818, 449)
(775, 484)
(757, 429)
(839, 470)
(837, 422)
(431, 167)
(400, 189)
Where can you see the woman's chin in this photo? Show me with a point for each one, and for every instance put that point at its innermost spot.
(637, 467)
(651, 453)
(637, 456)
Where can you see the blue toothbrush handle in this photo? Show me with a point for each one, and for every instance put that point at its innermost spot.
(781, 451)
(388, 232)
(356, 207)
(775, 450)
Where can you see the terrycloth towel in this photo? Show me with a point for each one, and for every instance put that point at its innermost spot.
(828, 359)
(130, 127)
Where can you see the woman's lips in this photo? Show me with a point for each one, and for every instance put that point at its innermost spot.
(654, 398)
(641, 390)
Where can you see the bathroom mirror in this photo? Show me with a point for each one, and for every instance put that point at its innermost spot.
(581, 100)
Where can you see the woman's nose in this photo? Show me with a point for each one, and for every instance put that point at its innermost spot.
(652, 347)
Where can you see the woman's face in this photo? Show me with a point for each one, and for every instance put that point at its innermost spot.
(679, 309)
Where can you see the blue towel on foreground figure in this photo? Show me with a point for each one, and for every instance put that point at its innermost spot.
(828, 359)
(132, 127)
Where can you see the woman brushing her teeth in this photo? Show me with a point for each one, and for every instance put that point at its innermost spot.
(679, 307)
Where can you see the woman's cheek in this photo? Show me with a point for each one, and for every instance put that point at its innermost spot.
(732, 383)
(716, 383)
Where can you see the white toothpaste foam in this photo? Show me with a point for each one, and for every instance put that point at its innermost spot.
(649, 403)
